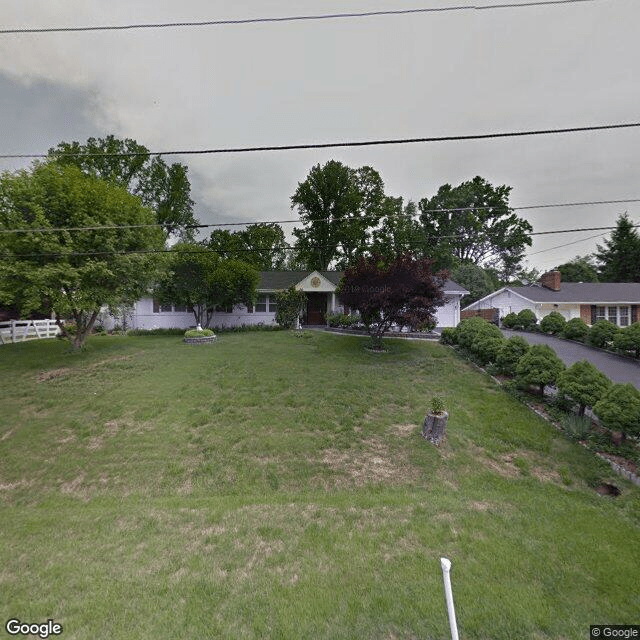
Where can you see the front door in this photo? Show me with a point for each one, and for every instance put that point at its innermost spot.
(316, 308)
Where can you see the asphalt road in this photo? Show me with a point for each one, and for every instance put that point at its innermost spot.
(617, 368)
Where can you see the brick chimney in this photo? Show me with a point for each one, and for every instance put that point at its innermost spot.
(551, 280)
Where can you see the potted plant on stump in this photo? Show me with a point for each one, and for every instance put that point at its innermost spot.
(435, 422)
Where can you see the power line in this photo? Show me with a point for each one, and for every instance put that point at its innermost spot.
(567, 244)
(327, 145)
(284, 247)
(296, 18)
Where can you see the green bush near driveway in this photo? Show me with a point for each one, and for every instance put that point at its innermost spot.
(553, 323)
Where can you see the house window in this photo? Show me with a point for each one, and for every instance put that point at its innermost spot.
(273, 305)
(612, 314)
(180, 309)
(601, 313)
(261, 304)
(161, 308)
(623, 317)
(224, 309)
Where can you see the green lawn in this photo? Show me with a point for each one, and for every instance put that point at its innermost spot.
(273, 485)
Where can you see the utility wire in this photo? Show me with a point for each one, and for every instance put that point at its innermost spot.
(567, 244)
(293, 221)
(296, 18)
(328, 145)
(285, 247)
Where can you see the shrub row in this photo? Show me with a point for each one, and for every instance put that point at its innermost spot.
(174, 331)
(602, 334)
(616, 405)
(344, 320)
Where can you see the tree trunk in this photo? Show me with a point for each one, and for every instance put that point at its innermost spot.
(434, 428)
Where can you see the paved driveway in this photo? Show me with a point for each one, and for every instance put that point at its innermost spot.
(616, 368)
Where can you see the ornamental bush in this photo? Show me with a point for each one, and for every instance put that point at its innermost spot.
(619, 409)
(343, 320)
(470, 330)
(527, 320)
(627, 340)
(510, 320)
(584, 384)
(601, 334)
(449, 335)
(486, 348)
(575, 329)
(198, 333)
(540, 366)
(510, 353)
(290, 303)
(552, 323)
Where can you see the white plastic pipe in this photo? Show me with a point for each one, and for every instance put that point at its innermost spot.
(446, 569)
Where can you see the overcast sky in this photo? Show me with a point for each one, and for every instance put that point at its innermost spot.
(419, 75)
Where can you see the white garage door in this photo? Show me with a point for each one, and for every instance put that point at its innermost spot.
(447, 316)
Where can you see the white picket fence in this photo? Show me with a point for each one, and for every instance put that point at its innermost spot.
(20, 330)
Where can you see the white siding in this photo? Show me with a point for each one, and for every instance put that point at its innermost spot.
(448, 315)
(143, 317)
(506, 302)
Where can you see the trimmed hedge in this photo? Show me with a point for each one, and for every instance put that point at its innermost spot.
(553, 323)
(540, 366)
(198, 333)
(575, 329)
(619, 409)
(583, 383)
(166, 331)
(601, 334)
(510, 353)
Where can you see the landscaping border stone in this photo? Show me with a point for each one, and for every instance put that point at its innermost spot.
(200, 340)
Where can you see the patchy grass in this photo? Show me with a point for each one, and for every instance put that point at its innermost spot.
(275, 485)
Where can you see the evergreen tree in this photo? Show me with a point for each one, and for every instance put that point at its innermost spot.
(620, 257)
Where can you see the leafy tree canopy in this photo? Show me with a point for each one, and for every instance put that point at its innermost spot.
(72, 274)
(476, 280)
(399, 231)
(403, 292)
(482, 230)
(261, 245)
(620, 257)
(200, 280)
(164, 188)
(580, 269)
(339, 207)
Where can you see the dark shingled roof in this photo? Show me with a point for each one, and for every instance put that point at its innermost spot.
(585, 292)
(276, 280)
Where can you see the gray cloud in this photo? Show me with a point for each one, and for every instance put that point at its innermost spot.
(454, 73)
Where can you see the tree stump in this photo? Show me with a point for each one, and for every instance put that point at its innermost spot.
(434, 427)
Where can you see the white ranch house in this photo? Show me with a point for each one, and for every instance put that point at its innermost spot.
(617, 302)
(320, 287)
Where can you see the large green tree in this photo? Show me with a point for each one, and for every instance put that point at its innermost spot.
(202, 281)
(619, 258)
(261, 245)
(339, 207)
(474, 223)
(579, 269)
(164, 188)
(476, 280)
(69, 273)
(398, 232)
